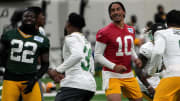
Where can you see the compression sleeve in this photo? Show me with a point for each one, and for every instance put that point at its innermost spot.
(99, 57)
(134, 55)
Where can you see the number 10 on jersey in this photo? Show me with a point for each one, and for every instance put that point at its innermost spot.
(120, 44)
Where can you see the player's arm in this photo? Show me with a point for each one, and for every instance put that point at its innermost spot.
(136, 59)
(99, 57)
(157, 53)
(44, 57)
(1, 57)
(76, 49)
(2, 50)
(141, 75)
(3, 54)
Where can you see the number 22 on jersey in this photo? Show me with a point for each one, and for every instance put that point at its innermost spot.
(120, 45)
(18, 48)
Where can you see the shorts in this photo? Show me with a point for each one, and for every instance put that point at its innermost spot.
(128, 86)
(73, 94)
(168, 89)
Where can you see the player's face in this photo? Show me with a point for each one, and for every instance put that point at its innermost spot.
(68, 28)
(29, 18)
(116, 13)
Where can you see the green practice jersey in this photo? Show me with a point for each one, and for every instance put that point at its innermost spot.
(24, 50)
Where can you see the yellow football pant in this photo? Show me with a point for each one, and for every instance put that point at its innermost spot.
(168, 89)
(129, 87)
(12, 89)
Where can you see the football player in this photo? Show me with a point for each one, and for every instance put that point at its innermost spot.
(167, 44)
(114, 49)
(78, 66)
(40, 22)
(148, 83)
(23, 47)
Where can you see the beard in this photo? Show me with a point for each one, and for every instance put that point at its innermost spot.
(29, 28)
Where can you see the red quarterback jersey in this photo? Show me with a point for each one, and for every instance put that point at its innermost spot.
(119, 43)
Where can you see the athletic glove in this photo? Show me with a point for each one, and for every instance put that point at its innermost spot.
(30, 85)
(151, 91)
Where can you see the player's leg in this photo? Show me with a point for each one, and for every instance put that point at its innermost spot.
(176, 97)
(113, 92)
(147, 96)
(10, 91)
(40, 85)
(167, 89)
(114, 97)
(20, 98)
(35, 95)
(88, 95)
(132, 90)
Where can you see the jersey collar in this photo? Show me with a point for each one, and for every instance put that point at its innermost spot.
(24, 34)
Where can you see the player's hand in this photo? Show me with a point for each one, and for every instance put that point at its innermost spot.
(29, 87)
(119, 68)
(138, 63)
(54, 75)
(151, 91)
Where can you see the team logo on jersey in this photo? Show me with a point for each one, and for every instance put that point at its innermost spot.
(130, 30)
(99, 36)
(38, 38)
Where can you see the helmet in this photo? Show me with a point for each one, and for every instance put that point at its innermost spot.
(146, 50)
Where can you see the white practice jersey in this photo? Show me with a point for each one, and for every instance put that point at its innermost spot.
(146, 50)
(169, 48)
(78, 63)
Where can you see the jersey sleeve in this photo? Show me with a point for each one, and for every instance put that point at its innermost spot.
(101, 36)
(45, 46)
